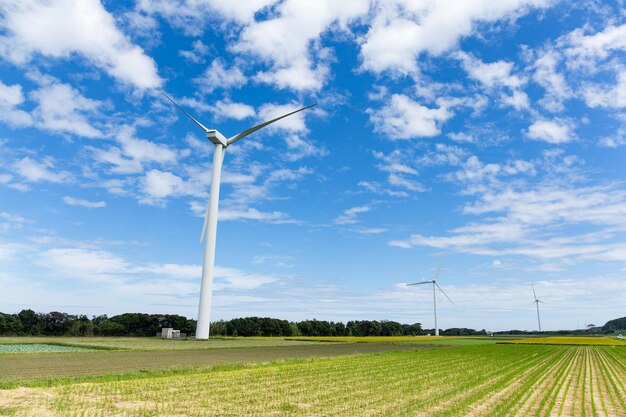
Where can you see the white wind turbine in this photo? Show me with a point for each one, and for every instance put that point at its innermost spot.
(536, 302)
(434, 282)
(210, 218)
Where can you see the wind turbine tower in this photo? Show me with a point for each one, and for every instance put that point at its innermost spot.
(210, 217)
(435, 286)
(537, 301)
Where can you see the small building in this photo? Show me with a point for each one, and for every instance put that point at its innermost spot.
(620, 336)
(170, 333)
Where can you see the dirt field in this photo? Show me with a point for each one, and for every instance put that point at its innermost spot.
(27, 367)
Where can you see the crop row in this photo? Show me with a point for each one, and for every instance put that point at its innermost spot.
(479, 380)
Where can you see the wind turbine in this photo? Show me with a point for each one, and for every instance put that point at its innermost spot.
(434, 282)
(537, 301)
(210, 217)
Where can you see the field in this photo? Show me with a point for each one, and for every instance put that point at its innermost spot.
(153, 343)
(390, 379)
(573, 341)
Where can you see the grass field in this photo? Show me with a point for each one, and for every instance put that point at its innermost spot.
(487, 380)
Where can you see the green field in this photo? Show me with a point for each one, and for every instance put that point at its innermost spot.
(366, 379)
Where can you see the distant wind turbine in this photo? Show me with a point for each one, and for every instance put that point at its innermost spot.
(434, 282)
(210, 217)
(537, 301)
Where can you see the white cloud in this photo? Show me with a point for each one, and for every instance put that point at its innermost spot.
(72, 201)
(349, 215)
(61, 28)
(586, 50)
(197, 53)
(226, 109)
(143, 150)
(554, 132)
(401, 30)
(300, 147)
(598, 95)
(403, 118)
(10, 98)
(218, 76)
(492, 74)
(546, 75)
(293, 124)
(133, 153)
(33, 171)
(399, 167)
(280, 261)
(9, 251)
(158, 185)
(63, 109)
(192, 15)
(237, 279)
(11, 222)
(289, 41)
(83, 263)
(542, 223)
(497, 75)
(518, 100)
(275, 217)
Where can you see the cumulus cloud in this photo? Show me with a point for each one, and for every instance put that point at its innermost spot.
(61, 108)
(288, 42)
(293, 124)
(158, 185)
(10, 98)
(133, 153)
(599, 95)
(554, 132)
(402, 30)
(218, 76)
(404, 118)
(586, 50)
(497, 75)
(61, 28)
(192, 15)
(34, 171)
(546, 74)
(227, 109)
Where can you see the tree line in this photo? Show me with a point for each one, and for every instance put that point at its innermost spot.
(30, 323)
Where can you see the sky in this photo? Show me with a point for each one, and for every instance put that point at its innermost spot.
(488, 136)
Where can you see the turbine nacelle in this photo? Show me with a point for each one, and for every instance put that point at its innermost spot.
(216, 137)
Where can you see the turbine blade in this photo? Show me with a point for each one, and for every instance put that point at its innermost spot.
(206, 220)
(438, 269)
(531, 284)
(253, 129)
(444, 293)
(187, 114)
(420, 283)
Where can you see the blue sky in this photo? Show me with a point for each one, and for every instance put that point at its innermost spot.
(489, 134)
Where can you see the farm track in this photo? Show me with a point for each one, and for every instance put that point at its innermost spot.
(498, 380)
